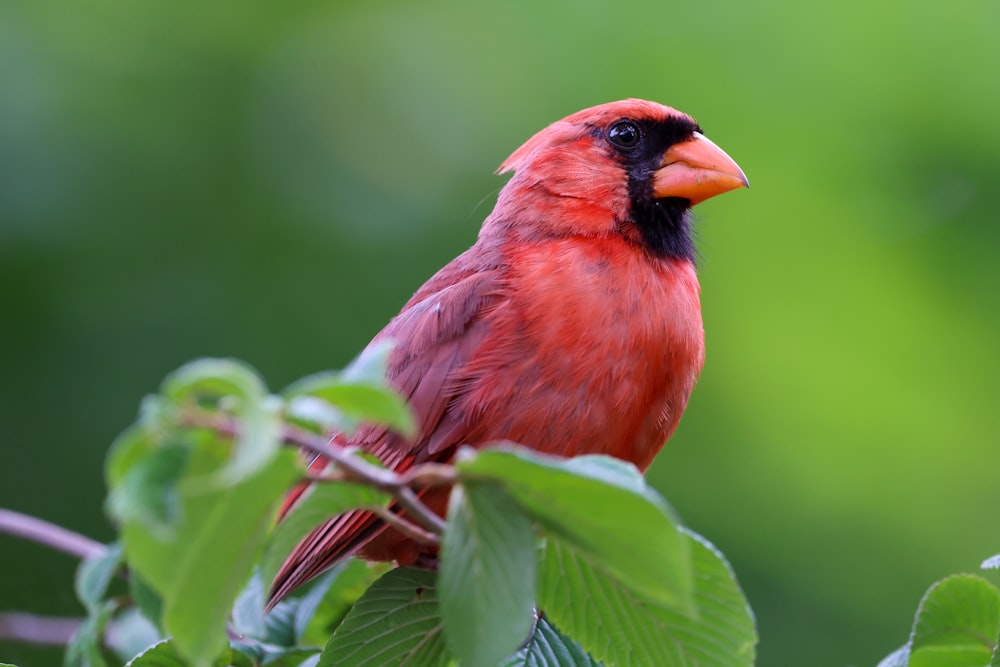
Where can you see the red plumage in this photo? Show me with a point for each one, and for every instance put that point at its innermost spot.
(572, 326)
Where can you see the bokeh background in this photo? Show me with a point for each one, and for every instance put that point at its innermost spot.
(271, 181)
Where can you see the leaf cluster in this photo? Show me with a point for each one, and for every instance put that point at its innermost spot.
(543, 561)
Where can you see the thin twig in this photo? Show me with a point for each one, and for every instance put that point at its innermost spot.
(312, 443)
(422, 476)
(32, 629)
(49, 534)
(335, 477)
(411, 530)
(429, 474)
(421, 513)
(350, 468)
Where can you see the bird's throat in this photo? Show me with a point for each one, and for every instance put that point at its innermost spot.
(664, 226)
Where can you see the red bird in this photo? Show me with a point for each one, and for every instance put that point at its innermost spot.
(573, 324)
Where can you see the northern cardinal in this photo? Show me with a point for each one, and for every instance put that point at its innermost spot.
(573, 324)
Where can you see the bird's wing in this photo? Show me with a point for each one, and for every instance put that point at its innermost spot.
(434, 336)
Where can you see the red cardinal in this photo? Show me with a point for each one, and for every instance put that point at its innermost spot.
(572, 326)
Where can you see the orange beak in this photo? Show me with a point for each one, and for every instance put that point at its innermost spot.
(697, 169)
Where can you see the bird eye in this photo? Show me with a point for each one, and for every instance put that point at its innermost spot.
(624, 134)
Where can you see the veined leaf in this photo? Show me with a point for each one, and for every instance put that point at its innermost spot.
(487, 575)
(619, 627)
(956, 623)
(550, 648)
(395, 623)
(323, 608)
(602, 507)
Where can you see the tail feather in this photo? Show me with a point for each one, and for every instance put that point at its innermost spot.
(322, 548)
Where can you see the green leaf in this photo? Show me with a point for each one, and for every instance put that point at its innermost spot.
(359, 402)
(95, 574)
(487, 576)
(161, 654)
(277, 627)
(319, 503)
(897, 658)
(310, 603)
(166, 654)
(395, 623)
(292, 657)
(146, 598)
(550, 648)
(84, 649)
(956, 623)
(129, 633)
(132, 446)
(210, 379)
(359, 392)
(273, 656)
(369, 366)
(613, 471)
(280, 624)
(327, 603)
(619, 627)
(147, 492)
(248, 610)
(236, 387)
(318, 415)
(201, 567)
(602, 507)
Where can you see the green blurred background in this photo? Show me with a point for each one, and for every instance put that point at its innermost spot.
(271, 181)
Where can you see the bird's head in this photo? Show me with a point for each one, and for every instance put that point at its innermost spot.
(632, 167)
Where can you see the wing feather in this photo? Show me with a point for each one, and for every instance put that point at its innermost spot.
(435, 336)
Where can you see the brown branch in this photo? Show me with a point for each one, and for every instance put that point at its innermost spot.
(422, 476)
(428, 475)
(32, 629)
(412, 531)
(49, 534)
(421, 513)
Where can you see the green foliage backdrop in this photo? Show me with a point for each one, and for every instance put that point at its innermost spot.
(272, 181)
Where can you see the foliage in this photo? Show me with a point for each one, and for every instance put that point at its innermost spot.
(957, 625)
(544, 562)
(532, 547)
